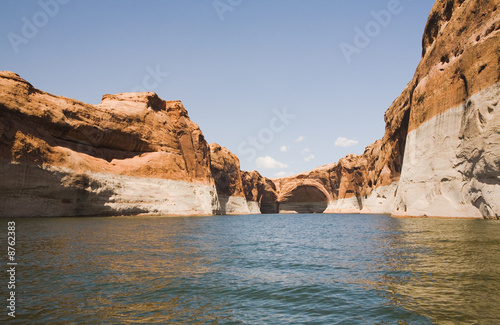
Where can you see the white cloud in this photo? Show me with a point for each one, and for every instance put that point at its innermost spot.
(344, 142)
(306, 150)
(310, 157)
(284, 148)
(269, 162)
(283, 174)
(299, 139)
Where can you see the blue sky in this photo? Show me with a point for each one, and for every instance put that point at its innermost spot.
(286, 85)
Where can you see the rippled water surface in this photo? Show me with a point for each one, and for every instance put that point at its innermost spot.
(265, 269)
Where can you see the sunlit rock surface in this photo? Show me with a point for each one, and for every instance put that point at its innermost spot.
(138, 154)
(227, 175)
(133, 154)
(440, 152)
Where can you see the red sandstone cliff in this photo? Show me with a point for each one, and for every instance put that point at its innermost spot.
(452, 155)
(135, 134)
(226, 172)
(440, 154)
(260, 192)
(133, 153)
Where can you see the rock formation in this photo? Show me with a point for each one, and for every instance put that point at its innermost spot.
(355, 184)
(138, 154)
(452, 155)
(132, 154)
(226, 172)
(440, 155)
(260, 193)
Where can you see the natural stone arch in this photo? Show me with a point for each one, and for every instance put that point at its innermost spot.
(307, 196)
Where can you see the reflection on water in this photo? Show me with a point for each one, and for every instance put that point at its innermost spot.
(112, 270)
(448, 270)
(269, 269)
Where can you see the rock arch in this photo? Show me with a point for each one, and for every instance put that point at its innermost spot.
(305, 196)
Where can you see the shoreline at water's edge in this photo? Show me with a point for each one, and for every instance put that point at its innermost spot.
(438, 217)
(242, 214)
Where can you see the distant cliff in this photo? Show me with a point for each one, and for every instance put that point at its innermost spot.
(225, 168)
(138, 154)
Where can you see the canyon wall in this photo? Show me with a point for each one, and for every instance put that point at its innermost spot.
(356, 184)
(225, 168)
(138, 154)
(260, 193)
(440, 154)
(452, 157)
(132, 154)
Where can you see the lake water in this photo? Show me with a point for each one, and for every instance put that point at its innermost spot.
(259, 269)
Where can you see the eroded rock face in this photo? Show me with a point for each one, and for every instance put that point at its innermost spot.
(225, 168)
(440, 152)
(260, 193)
(451, 166)
(304, 199)
(134, 153)
(355, 184)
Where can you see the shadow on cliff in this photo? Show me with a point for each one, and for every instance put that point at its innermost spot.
(32, 191)
(304, 199)
(107, 144)
(28, 189)
(268, 202)
(223, 201)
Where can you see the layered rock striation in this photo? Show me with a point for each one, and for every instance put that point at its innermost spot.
(132, 154)
(138, 154)
(440, 154)
(356, 184)
(452, 155)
